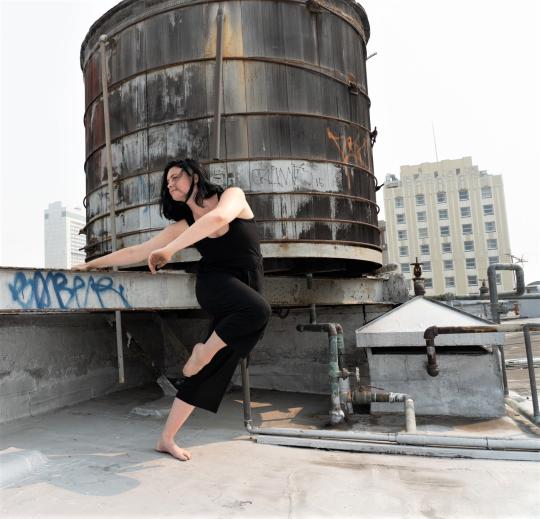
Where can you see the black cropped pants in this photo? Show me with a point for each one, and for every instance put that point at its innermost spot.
(239, 316)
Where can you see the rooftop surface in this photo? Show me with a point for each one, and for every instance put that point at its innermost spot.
(101, 463)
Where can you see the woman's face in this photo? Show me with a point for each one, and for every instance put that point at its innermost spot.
(178, 184)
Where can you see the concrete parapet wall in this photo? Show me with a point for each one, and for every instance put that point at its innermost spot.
(53, 360)
(288, 360)
(50, 361)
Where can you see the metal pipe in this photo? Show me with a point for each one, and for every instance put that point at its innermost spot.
(532, 377)
(345, 395)
(464, 444)
(432, 366)
(103, 40)
(410, 417)
(391, 448)
(529, 444)
(492, 283)
(246, 390)
(431, 332)
(218, 84)
(518, 293)
(366, 397)
(336, 413)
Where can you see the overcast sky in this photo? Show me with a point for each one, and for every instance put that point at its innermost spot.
(468, 67)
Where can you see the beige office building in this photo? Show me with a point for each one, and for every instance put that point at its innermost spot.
(453, 218)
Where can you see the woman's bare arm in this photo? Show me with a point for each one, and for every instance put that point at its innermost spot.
(137, 253)
(231, 204)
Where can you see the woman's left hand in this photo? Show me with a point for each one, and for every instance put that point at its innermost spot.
(158, 259)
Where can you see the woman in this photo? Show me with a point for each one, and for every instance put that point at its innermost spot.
(229, 283)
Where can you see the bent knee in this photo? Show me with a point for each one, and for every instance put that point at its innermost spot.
(260, 314)
(267, 312)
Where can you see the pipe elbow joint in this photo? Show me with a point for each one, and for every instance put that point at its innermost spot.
(431, 333)
(433, 370)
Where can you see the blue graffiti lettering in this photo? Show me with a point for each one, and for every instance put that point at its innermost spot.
(56, 290)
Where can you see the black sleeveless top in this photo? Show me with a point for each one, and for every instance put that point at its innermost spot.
(238, 248)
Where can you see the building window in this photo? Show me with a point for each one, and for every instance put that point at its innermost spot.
(421, 216)
(449, 282)
(420, 200)
(422, 232)
(435, 174)
(486, 192)
(463, 195)
(458, 171)
(443, 214)
(467, 228)
(405, 268)
(472, 281)
(404, 251)
(445, 230)
(441, 197)
(402, 235)
(465, 212)
(493, 259)
(498, 279)
(426, 267)
(400, 218)
(428, 283)
(398, 202)
(424, 250)
(488, 210)
(490, 226)
(446, 247)
(470, 263)
(468, 246)
(492, 244)
(448, 264)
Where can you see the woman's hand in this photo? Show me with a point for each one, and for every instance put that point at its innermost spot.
(158, 259)
(82, 267)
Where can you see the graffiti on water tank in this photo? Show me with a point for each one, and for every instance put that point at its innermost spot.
(57, 291)
(350, 150)
(291, 175)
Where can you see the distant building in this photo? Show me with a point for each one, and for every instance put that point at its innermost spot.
(63, 243)
(382, 228)
(453, 218)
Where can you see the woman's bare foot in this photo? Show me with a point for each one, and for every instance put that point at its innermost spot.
(198, 359)
(171, 448)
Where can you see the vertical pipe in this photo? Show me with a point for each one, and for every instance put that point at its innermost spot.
(410, 418)
(503, 367)
(532, 378)
(344, 383)
(245, 389)
(218, 85)
(108, 152)
(494, 303)
(112, 218)
(336, 413)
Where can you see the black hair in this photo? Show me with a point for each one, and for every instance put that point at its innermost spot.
(174, 210)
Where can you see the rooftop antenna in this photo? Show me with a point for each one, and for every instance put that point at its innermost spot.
(517, 259)
(434, 142)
